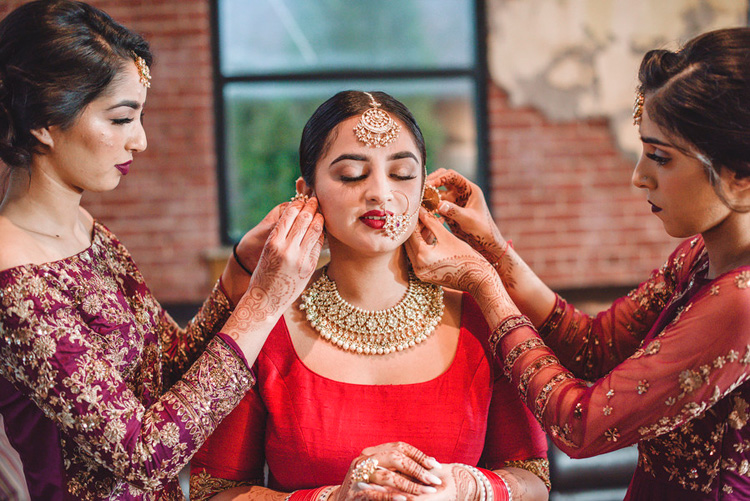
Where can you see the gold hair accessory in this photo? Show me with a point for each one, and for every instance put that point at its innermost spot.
(376, 127)
(299, 196)
(431, 198)
(364, 470)
(350, 328)
(143, 70)
(638, 107)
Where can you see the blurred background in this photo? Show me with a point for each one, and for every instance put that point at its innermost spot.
(530, 98)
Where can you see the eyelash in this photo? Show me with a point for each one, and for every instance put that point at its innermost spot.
(348, 179)
(658, 159)
(125, 121)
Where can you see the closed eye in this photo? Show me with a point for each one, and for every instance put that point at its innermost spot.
(658, 158)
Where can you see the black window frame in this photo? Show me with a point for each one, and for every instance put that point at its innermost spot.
(477, 73)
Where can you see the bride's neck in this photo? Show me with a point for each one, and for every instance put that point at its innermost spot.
(370, 282)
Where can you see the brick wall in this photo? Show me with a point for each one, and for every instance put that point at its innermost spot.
(562, 192)
(166, 209)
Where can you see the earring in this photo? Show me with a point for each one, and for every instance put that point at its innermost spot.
(299, 196)
(431, 198)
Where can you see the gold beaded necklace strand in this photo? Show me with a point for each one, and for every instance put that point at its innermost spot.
(380, 332)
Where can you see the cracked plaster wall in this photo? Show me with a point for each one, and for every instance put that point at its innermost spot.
(577, 59)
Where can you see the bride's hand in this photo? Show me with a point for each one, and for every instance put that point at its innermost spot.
(466, 212)
(389, 472)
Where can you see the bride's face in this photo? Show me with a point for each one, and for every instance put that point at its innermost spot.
(358, 185)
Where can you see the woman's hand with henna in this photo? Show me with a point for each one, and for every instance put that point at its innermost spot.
(389, 472)
(458, 485)
(289, 258)
(466, 212)
(450, 262)
(251, 244)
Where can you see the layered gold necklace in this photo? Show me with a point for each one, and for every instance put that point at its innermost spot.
(380, 332)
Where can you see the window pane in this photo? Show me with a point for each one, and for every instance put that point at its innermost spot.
(264, 122)
(282, 36)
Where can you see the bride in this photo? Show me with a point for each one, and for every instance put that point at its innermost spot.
(374, 384)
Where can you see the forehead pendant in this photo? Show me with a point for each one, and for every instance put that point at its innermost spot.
(638, 108)
(376, 127)
(143, 72)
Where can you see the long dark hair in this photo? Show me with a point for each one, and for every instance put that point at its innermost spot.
(316, 136)
(701, 94)
(56, 56)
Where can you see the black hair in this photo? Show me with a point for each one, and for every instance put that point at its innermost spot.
(56, 57)
(701, 94)
(316, 136)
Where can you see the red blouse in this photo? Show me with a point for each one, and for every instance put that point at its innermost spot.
(309, 428)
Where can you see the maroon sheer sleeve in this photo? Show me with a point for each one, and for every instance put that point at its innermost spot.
(697, 352)
(591, 346)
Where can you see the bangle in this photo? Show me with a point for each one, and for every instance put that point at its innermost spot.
(483, 492)
(498, 485)
(237, 259)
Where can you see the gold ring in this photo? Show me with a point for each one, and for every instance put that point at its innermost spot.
(364, 470)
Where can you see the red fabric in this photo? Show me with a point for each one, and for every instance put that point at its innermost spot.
(499, 487)
(309, 428)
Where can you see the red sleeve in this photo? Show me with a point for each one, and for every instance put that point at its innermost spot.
(234, 454)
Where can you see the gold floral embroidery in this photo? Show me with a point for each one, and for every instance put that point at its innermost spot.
(204, 486)
(539, 467)
(742, 280)
(642, 386)
(612, 435)
(690, 380)
(714, 290)
(607, 410)
(739, 416)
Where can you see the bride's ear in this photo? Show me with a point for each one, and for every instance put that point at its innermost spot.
(303, 188)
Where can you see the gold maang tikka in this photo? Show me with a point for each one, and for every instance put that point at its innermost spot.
(143, 71)
(638, 107)
(376, 127)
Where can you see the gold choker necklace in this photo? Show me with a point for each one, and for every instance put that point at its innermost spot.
(350, 328)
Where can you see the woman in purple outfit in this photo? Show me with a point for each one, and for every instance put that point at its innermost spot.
(102, 395)
(667, 366)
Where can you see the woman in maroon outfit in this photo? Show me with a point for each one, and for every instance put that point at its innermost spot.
(102, 395)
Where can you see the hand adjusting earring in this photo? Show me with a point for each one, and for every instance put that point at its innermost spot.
(376, 127)
(431, 198)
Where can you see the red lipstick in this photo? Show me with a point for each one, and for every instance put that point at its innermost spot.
(374, 218)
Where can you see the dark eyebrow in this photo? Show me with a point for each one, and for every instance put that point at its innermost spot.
(130, 104)
(350, 156)
(403, 154)
(653, 140)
